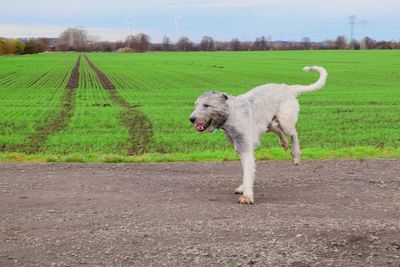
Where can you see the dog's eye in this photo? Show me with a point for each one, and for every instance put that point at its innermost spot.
(205, 105)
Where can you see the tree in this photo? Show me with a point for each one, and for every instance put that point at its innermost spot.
(235, 44)
(130, 41)
(394, 45)
(306, 43)
(382, 45)
(166, 43)
(144, 42)
(355, 45)
(10, 47)
(207, 44)
(42, 44)
(341, 42)
(118, 45)
(368, 43)
(184, 44)
(2, 46)
(19, 47)
(73, 39)
(329, 44)
(139, 42)
(29, 48)
(260, 43)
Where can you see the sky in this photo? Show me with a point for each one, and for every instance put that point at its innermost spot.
(222, 19)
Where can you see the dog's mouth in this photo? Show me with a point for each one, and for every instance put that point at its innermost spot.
(201, 127)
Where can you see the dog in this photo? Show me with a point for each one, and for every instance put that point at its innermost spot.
(244, 118)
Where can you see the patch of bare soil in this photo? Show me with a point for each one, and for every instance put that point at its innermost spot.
(140, 129)
(321, 213)
(57, 122)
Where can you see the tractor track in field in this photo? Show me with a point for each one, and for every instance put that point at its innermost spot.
(140, 129)
(60, 120)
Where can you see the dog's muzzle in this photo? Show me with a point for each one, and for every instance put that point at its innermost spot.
(201, 127)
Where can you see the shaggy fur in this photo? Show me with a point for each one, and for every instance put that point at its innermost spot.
(244, 118)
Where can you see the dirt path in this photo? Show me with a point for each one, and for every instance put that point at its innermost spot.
(325, 213)
(55, 123)
(140, 129)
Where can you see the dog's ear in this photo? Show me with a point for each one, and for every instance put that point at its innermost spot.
(225, 96)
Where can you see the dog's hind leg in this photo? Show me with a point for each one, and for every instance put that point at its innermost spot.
(274, 127)
(291, 130)
(287, 117)
(295, 148)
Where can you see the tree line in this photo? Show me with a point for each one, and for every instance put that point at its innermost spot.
(74, 39)
(23, 46)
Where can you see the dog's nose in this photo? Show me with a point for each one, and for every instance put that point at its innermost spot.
(192, 119)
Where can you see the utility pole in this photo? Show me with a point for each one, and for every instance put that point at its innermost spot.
(176, 24)
(352, 22)
(129, 23)
(71, 34)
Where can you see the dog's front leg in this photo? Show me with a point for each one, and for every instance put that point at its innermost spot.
(249, 168)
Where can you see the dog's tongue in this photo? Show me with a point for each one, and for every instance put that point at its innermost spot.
(199, 126)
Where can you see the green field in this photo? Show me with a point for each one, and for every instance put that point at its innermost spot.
(357, 115)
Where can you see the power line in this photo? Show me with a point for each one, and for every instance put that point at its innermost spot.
(71, 34)
(176, 24)
(383, 26)
(129, 23)
(352, 22)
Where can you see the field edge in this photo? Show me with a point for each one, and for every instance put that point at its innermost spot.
(359, 152)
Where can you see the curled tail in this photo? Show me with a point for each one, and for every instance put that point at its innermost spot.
(315, 86)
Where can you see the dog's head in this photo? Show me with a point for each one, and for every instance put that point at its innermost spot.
(211, 111)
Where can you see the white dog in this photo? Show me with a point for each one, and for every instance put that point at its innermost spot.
(244, 118)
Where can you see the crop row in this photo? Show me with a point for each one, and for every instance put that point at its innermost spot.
(94, 123)
(94, 126)
(87, 77)
(29, 73)
(34, 92)
(54, 79)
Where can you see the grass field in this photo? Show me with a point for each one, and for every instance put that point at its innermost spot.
(94, 126)
(31, 89)
(357, 115)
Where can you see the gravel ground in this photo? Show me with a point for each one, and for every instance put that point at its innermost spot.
(321, 213)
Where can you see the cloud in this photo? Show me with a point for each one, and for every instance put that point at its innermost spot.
(224, 19)
(290, 5)
(104, 33)
(93, 8)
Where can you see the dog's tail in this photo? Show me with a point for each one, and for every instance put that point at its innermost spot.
(315, 86)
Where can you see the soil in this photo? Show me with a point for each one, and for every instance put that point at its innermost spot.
(140, 129)
(320, 213)
(73, 81)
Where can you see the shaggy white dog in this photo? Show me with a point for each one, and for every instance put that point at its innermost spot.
(244, 118)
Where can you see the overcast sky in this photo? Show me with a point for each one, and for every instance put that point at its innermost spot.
(221, 19)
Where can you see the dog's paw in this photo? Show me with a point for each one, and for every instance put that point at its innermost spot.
(245, 200)
(238, 190)
(296, 158)
(285, 145)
